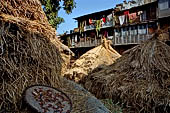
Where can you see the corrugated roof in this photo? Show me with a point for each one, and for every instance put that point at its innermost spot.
(88, 15)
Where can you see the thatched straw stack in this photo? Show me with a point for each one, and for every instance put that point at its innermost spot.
(32, 10)
(66, 54)
(28, 57)
(140, 79)
(102, 55)
(29, 9)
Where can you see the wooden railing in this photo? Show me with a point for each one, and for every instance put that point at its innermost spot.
(88, 43)
(133, 39)
(92, 27)
(124, 40)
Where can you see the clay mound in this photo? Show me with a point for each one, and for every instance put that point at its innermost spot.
(140, 79)
(101, 55)
(30, 9)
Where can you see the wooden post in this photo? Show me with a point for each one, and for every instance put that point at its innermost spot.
(115, 37)
(147, 31)
(95, 39)
(158, 24)
(85, 39)
(130, 37)
(80, 40)
(137, 41)
(121, 31)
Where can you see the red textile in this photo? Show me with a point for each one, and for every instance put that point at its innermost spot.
(126, 13)
(90, 21)
(104, 20)
(132, 16)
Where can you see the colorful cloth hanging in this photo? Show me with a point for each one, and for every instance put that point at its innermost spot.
(98, 26)
(132, 17)
(140, 12)
(116, 19)
(90, 21)
(122, 19)
(126, 13)
(82, 24)
(104, 19)
(109, 17)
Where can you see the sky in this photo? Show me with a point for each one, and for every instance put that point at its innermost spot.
(84, 7)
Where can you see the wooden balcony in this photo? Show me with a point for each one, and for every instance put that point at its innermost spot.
(105, 25)
(87, 43)
(90, 27)
(124, 40)
(133, 39)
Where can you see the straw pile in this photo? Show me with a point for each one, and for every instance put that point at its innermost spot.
(140, 79)
(28, 56)
(102, 55)
(29, 9)
(66, 54)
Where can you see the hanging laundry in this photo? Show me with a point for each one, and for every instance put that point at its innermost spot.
(140, 15)
(104, 19)
(132, 17)
(126, 19)
(116, 19)
(90, 21)
(140, 12)
(93, 21)
(98, 26)
(82, 24)
(122, 19)
(102, 23)
(110, 17)
(126, 13)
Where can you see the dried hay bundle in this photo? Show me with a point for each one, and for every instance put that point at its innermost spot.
(66, 63)
(30, 9)
(140, 79)
(66, 54)
(31, 26)
(101, 55)
(27, 57)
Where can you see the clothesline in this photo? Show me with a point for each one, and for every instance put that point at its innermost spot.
(126, 18)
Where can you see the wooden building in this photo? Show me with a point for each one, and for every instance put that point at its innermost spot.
(126, 25)
(164, 13)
